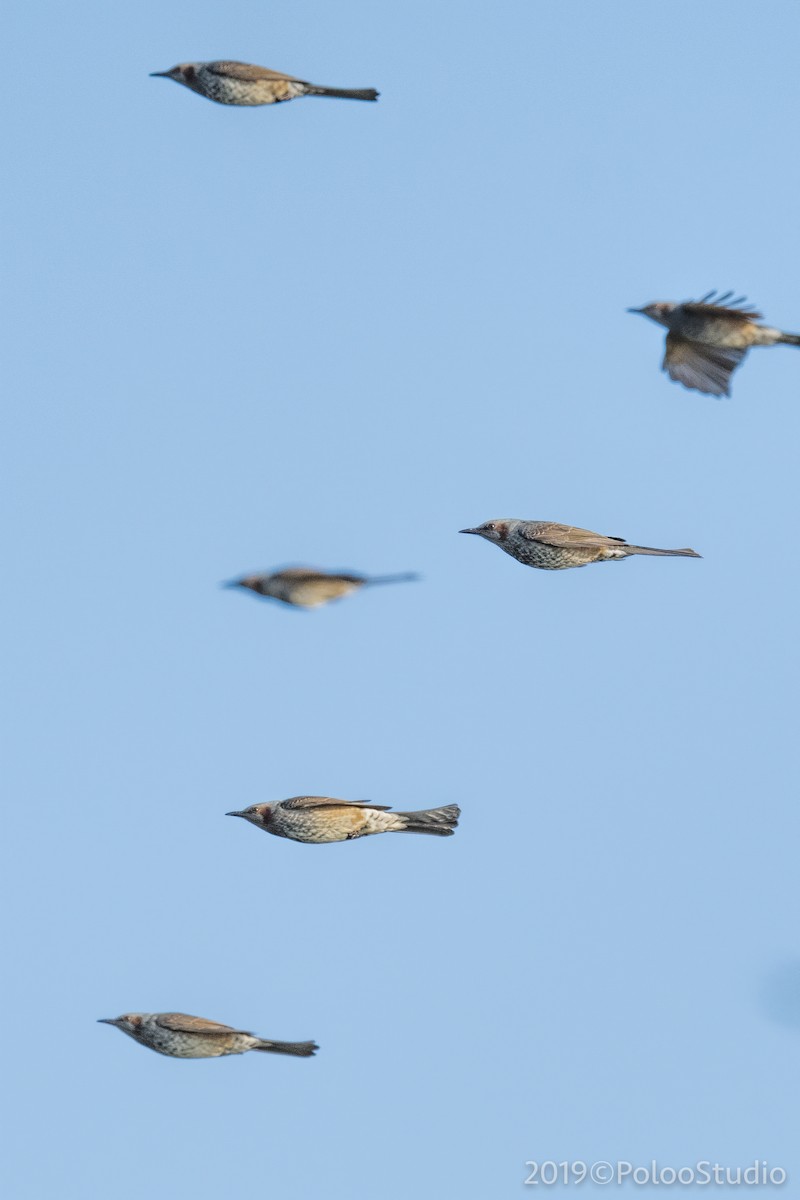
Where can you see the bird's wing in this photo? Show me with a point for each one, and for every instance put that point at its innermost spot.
(183, 1023)
(247, 72)
(712, 305)
(302, 574)
(707, 369)
(553, 534)
(295, 802)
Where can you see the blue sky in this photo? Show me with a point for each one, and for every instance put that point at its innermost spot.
(335, 334)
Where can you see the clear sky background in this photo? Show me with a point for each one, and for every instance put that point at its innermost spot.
(335, 334)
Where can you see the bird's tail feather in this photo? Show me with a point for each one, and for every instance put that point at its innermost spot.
(298, 1049)
(345, 93)
(404, 577)
(790, 339)
(439, 821)
(663, 553)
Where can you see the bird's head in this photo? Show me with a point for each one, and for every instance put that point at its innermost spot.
(129, 1022)
(253, 583)
(256, 814)
(185, 73)
(493, 531)
(660, 311)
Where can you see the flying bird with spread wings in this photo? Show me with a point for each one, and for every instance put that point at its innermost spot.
(708, 338)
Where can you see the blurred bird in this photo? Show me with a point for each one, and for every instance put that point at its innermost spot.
(708, 338)
(323, 819)
(182, 1036)
(306, 588)
(554, 547)
(244, 84)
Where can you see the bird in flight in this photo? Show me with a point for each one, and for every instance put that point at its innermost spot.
(324, 819)
(180, 1036)
(248, 85)
(708, 338)
(554, 547)
(304, 587)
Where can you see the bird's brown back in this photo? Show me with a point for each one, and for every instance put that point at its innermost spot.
(553, 534)
(184, 1023)
(248, 72)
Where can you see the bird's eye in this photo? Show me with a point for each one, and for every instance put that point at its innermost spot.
(491, 525)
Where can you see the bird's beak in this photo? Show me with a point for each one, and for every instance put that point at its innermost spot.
(230, 583)
(469, 531)
(636, 310)
(106, 1020)
(237, 814)
(159, 74)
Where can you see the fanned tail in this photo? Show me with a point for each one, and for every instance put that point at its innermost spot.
(439, 821)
